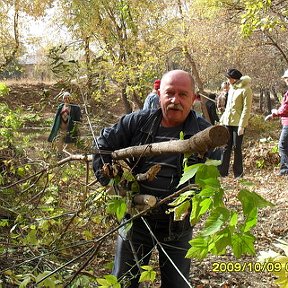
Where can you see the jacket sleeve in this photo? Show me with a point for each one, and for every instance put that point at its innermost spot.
(113, 138)
(247, 106)
(147, 102)
(283, 109)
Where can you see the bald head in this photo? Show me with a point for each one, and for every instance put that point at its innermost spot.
(187, 77)
(176, 97)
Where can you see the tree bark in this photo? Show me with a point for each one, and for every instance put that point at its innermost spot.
(210, 138)
(268, 101)
(261, 101)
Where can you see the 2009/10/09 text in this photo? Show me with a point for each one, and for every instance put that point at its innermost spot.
(220, 267)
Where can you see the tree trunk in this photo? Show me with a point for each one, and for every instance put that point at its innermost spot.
(195, 73)
(11, 56)
(88, 65)
(126, 103)
(274, 93)
(268, 100)
(137, 101)
(261, 98)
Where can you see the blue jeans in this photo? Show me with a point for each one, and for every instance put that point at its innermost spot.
(235, 143)
(139, 243)
(283, 150)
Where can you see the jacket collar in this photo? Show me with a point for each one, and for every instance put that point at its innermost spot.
(190, 126)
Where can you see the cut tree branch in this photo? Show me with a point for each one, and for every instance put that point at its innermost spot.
(210, 138)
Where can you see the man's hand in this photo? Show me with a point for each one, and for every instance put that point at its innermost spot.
(240, 131)
(107, 172)
(274, 112)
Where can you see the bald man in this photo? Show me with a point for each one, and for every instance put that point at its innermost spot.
(134, 247)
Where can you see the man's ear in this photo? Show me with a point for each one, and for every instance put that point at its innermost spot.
(193, 97)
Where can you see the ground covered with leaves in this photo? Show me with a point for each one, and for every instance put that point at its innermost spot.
(260, 158)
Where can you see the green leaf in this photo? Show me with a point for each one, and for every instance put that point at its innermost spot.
(189, 172)
(25, 282)
(117, 207)
(148, 276)
(205, 205)
(220, 242)
(212, 162)
(234, 219)
(147, 267)
(4, 222)
(251, 220)
(251, 200)
(199, 248)
(207, 176)
(215, 221)
(109, 281)
(195, 216)
(20, 171)
(121, 210)
(31, 238)
(207, 192)
(128, 176)
(242, 244)
(181, 211)
(182, 197)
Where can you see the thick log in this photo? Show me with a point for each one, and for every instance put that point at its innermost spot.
(210, 138)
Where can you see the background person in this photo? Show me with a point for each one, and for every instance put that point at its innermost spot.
(144, 127)
(64, 129)
(235, 118)
(197, 105)
(211, 108)
(282, 112)
(152, 100)
(221, 99)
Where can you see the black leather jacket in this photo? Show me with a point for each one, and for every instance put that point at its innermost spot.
(140, 128)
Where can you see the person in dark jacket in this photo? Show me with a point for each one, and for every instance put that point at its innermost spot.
(211, 109)
(64, 129)
(134, 248)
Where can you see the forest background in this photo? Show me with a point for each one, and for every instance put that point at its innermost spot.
(51, 211)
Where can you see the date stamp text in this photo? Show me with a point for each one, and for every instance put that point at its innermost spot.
(258, 267)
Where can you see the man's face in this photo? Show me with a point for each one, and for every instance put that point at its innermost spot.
(176, 97)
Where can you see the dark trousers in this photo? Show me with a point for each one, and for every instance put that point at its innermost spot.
(283, 150)
(235, 143)
(138, 244)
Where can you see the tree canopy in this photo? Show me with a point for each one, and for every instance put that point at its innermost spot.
(123, 45)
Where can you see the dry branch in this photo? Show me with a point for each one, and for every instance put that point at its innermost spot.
(210, 138)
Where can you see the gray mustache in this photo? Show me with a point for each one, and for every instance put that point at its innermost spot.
(175, 107)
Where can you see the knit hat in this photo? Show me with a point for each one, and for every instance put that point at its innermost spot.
(234, 74)
(157, 84)
(285, 75)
